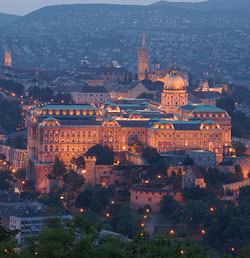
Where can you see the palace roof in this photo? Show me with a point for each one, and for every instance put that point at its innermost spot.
(75, 107)
(202, 108)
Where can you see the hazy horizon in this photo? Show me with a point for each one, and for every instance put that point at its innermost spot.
(22, 7)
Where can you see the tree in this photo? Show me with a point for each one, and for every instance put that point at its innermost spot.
(102, 195)
(105, 156)
(240, 148)
(5, 180)
(10, 118)
(84, 198)
(151, 155)
(79, 162)
(136, 147)
(196, 213)
(169, 206)
(197, 193)
(226, 104)
(244, 192)
(59, 169)
(18, 142)
(74, 180)
(20, 174)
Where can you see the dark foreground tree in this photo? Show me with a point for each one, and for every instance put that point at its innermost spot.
(169, 206)
(105, 156)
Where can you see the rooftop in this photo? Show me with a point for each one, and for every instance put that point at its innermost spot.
(75, 107)
(202, 108)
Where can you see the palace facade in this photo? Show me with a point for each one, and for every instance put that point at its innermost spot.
(68, 131)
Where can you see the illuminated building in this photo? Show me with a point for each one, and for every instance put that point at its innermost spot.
(8, 59)
(68, 131)
(143, 63)
(174, 94)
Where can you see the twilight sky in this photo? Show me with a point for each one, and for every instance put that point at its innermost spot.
(22, 7)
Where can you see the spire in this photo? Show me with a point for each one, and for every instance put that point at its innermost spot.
(169, 65)
(144, 40)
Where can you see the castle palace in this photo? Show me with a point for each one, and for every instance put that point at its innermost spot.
(68, 131)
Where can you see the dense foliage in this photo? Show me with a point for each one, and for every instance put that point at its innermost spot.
(240, 122)
(10, 117)
(11, 86)
(105, 156)
(81, 239)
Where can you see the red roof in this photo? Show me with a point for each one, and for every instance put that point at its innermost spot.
(197, 172)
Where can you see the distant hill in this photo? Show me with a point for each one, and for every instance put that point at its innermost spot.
(68, 11)
(6, 18)
(240, 6)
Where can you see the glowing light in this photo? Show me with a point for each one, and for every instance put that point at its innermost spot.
(61, 197)
(23, 182)
(147, 210)
(81, 210)
(232, 249)
(212, 209)
(145, 216)
(203, 231)
(146, 181)
(182, 251)
(107, 215)
(84, 171)
(142, 224)
(112, 202)
(171, 232)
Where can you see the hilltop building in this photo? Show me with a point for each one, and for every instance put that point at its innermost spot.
(68, 131)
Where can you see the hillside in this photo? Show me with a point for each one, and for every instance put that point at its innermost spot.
(6, 18)
(234, 6)
(197, 37)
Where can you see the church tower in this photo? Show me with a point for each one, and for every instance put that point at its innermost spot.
(143, 64)
(174, 94)
(8, 59)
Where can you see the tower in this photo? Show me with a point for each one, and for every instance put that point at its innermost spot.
(143, 66)
(8, 59)
(174, 94)
(90, 166)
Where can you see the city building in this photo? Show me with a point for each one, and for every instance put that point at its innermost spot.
(68, 131)
(202, 157)
(91, 95)
(145, 196)
(8, 59)
(143, 60)
(193, 178)
(28, 217)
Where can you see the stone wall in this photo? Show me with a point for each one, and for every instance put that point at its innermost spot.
(141, 197)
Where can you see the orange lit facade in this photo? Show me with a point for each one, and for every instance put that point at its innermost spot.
(143, 61)
(68, 131)
(8, 59)
(174, 94)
